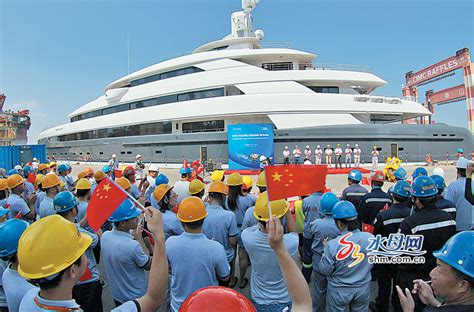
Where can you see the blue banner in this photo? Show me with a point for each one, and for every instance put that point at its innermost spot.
(247, 143)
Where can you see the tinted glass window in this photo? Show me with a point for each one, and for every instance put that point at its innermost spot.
(203, 126)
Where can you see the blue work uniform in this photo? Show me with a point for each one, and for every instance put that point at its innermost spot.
(386, 223)
(372, 203)
(124, 260)
(3, 299)
(39, 198)
(310, 209)
(29, 189)
(17, 206)
(63, 179)
(249, 219)
(348, 287)
(93, 186)
(28, 303)
(15, 287)
(268, 287)
(446, 205)
(354, 193)
(70, 182)
(320, 230)
(134, 191)
(171, 225)
(4, 202)
(81, 210)
(91, 261)
(187, 274)
(218, 226)
(464, 209)
(46, 207)
(149, 192)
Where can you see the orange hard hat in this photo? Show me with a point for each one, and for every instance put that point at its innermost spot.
(218, 187)
(160, 191)
(81, 175)
(43, 166)
(50, 180)
(99, 175)
(14, 180)
(216, 298)
(191, 209)
(378, 176)
(123, 183)
(89, 172)
(3, 184)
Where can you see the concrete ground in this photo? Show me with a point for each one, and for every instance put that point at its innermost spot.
(336, 182)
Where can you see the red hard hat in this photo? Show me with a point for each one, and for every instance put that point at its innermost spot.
(216, 298)
(378, 176)
(128, 170)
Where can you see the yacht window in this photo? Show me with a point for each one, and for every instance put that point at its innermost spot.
(203, 126)
(278, 66)
(165, 75)
(324, 89)
(158, 152)
(116, 109)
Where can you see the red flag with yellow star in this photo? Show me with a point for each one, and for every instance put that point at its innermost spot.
(106, 198)
(294, 180)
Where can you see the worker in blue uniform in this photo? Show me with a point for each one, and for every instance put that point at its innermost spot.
(374, 201)
(322, 230)
(348, 277)
(441, 202)
(354, 192)
(386, 223)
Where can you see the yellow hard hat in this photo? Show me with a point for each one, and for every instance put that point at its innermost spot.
(39, 179)
(375, 146)
(279, 207)
(51, 180)
(123, 182)
(248, 182)
(160, 191)
(217, 175)
(81, 175)
(218, 187)
(43, 166)
(3, 184)
(99, 175)
(14, 180)
(235, 179)
(261, 180)
(196, 186)
(53, 163)
(83, 184)
(191, 209)
(49, 246)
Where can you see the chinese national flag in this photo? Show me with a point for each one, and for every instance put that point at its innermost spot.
(294, 180)
(31, 178)
(106, 198)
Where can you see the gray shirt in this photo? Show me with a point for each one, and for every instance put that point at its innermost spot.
(464, 209)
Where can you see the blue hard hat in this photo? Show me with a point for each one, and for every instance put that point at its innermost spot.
(328, 200)
(400, 174)
(161, 179)
(10, 232)
(344, 210)
(420, 171)
(27, 169)
(355, 175)
(12, 171)
(402, 188)
(68, 166)
(439, 181)
(62, 167)
(423, 186)
(106, 169)
(64, 201)
(184, 170)
(457, 252)
(125, 211)
(461, 150)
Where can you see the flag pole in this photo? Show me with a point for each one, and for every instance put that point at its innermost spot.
(270, 214)
(128, 194)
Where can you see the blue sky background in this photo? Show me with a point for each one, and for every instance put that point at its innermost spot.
(57, 55)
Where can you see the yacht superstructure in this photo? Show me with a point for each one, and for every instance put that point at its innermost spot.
(181, 107)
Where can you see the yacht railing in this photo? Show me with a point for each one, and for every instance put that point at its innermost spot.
(331, 66)
(377, 99)
(275, 45)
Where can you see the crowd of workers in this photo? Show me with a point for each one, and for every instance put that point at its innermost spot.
(190, 239)
(352, 156)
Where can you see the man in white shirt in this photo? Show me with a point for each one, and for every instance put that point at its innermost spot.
(286, 156)
(296, 155)
(357, 153)
(328, 152)
(307, 153)
(318, 152)
(348, 153)
(338, 153)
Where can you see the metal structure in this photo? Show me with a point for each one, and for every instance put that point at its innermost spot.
(438, 71)
(14, 126)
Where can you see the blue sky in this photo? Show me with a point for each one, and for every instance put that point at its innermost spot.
(57, 55)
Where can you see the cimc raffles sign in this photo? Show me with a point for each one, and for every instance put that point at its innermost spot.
(247, 143)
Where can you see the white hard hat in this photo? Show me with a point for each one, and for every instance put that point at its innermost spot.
(439, 171)
(462, 163)
(307, 162)
(348, 145)
(357, 145)
(18, 167)
(328, 145)
(263, 158)
(113, 155)
(319, 146)
(138, 156)
(153, 167)
(286, 147)
(35, 159)
(307, 146)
